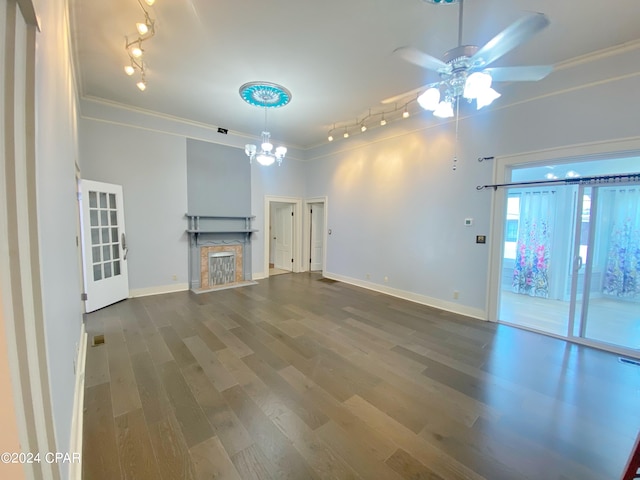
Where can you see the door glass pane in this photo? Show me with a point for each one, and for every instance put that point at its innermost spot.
(95, 236)
(93, 216)
(104, 219)
(106, 253)
(93, 200)
(114, 235)
(96, 254)
(112, 200)
(533, 275)
(107, 270)
(114, 217)
(103, 200)
(611, 301)
(97, 272)
(116, 268)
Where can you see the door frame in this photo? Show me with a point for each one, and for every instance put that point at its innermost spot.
(281, 237)
(23, 363)
(297, 231)
(308, 203)
(501, 173)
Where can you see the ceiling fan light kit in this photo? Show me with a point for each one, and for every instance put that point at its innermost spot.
(463, 69)
(146, 30)
(265, 95)
(464, 72)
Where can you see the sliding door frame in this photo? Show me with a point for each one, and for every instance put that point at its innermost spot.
(502, 169)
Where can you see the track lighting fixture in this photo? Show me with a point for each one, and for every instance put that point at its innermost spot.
(369, 120)
(145, 30)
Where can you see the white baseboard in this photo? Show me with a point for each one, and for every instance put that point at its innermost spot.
(144, 292)
(412, 297)
(75, 443)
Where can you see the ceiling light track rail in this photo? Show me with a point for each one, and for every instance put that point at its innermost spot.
(372, 119)
(145, 31)
(593, 180)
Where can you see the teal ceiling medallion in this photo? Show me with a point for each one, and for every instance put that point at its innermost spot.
(265, 94)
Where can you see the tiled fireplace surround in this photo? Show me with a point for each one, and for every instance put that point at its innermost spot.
(204, 262)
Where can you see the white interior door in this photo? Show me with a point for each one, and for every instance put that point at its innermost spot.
(316, 236)
(104, 244)
(284, 236)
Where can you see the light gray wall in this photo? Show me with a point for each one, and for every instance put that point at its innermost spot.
(286, 180)
(218, 179)
(396, 208)
(56, 152)
(152, 168)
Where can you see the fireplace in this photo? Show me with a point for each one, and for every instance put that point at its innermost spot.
(219, 252)
(220, 266)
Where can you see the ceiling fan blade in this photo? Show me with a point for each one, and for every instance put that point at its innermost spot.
(518, 32)
(415, 56)
(519, 74)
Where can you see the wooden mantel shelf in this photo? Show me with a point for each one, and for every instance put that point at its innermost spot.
(218, 224)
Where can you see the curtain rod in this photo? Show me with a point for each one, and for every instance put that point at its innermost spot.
(621, 178)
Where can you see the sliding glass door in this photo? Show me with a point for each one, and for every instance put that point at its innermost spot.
(608, 300)
(571, 262)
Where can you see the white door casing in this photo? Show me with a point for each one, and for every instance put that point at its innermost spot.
(316, 236)
(296, 203)
(104, 244)
(283, 227)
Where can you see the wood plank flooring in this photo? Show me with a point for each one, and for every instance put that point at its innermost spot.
(302, 378)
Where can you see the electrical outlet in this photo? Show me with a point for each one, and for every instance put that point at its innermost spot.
(386, 279)
(174, 278)
(456, 294)
(368, 276)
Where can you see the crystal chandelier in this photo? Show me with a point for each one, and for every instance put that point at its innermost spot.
(266, 95)
(266, 156)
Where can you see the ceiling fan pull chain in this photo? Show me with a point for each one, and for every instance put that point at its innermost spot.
(455, 144)
(460, 22)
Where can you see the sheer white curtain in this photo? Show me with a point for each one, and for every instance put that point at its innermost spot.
(622, 274)
(533, 252)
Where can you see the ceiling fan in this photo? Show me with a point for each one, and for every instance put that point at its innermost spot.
(464, 70)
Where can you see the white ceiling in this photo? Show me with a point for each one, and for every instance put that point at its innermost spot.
(335, 56)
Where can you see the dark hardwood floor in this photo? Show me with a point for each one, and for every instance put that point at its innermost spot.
(302, 378)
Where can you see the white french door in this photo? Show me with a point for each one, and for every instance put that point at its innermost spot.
(104, 244)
